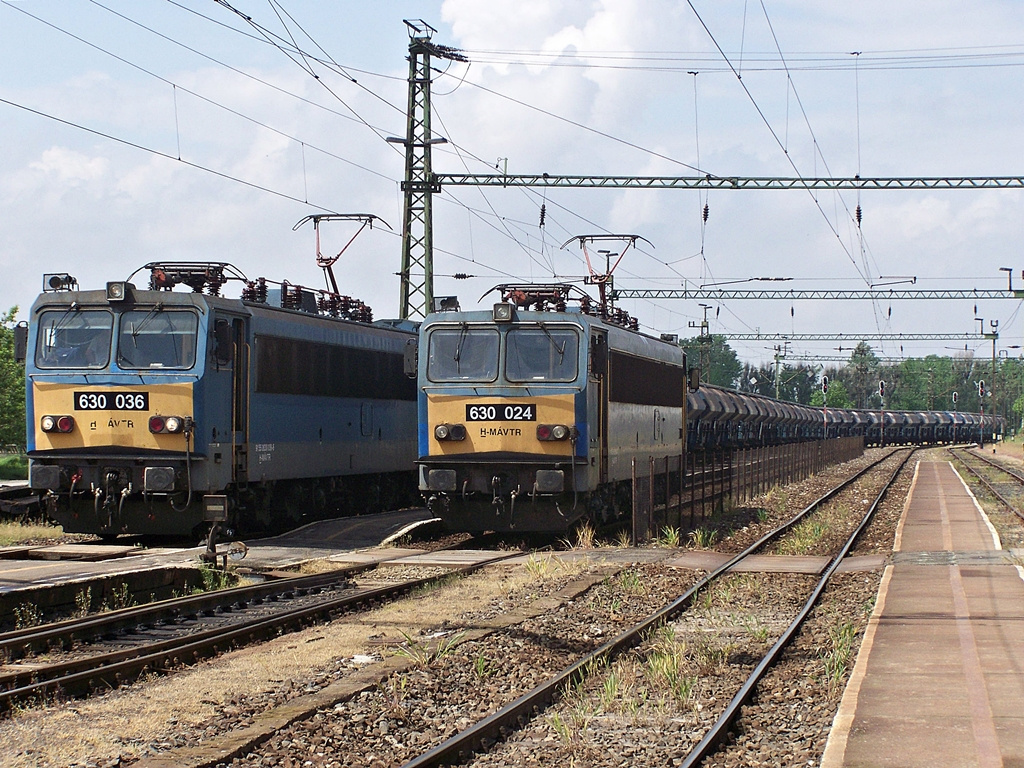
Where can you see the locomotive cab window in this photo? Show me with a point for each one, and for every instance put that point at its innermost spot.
(157, 338)
(463, 354)
(74, 338)
(541, 354)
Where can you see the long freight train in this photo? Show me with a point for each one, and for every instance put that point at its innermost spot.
(144, 404)
(530, 414)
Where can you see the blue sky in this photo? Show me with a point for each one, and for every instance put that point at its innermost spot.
(597, 87)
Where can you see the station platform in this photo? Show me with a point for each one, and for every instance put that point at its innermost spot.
(939, 679)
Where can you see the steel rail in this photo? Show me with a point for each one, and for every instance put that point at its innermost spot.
(985, 482)
(19, 642)
(494, 727)
(81, 675)
(718, 732)
(996, 464)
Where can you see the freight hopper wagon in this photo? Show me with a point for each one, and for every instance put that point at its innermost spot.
(144, 403)
(530, 414)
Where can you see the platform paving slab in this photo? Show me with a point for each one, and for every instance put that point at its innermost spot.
(939, 680)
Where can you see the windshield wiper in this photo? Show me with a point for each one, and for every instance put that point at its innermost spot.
(463, 333)
(66, 317)
(559, 350)
(136, 330)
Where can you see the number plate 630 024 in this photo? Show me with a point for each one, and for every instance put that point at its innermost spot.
(501, 412)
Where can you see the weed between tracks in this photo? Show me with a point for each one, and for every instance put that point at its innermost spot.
(836, 659)
(703, 538)
(545, 566)
(424, 654)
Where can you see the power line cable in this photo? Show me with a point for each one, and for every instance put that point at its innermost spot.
(195, 94)
(157, 152)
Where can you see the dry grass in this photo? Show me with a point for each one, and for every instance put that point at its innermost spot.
(103, 728)
(18, 533)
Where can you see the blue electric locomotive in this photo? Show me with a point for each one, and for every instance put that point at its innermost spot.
(530, 415)
(143, 402)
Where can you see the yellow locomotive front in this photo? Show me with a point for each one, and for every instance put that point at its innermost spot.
(113, 379)
(503, 419)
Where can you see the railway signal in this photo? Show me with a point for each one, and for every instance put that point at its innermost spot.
(824, 385)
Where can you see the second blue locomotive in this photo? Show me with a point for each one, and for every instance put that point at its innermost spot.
(531, 413)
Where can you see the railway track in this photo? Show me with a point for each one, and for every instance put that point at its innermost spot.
(489, 705)
(77, 656)
(499, 725)
(18, 503)
(1009, 490)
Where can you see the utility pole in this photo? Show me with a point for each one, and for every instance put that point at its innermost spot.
(780, 354)
(419, 185)
(994, 336)
(704, 340)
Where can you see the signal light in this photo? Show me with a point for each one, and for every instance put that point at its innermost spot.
(63, 424)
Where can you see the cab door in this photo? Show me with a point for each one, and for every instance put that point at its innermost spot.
(597, 403)
(240, 353)
(231, 353)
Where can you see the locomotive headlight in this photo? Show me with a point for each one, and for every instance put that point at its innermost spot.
(450, 432)
(57, 424)
(502, 313)
(116, 291)
(160, 425)
(553, 432)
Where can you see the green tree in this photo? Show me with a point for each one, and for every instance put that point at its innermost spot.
(12, 385)
(718, 362)
(860, 376)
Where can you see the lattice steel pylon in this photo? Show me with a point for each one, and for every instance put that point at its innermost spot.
(419, 185)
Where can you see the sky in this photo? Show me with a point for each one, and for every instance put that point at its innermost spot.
(135, 131)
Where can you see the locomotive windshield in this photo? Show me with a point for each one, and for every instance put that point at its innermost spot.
(74, 338)
(157, 338)
(541, 354)
(463, 354)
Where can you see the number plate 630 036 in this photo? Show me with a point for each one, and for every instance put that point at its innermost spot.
(111, 401)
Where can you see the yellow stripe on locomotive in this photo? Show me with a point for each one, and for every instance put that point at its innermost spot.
(103, 416)
(484, 424)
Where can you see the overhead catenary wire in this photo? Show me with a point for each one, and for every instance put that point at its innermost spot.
(159, 153)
